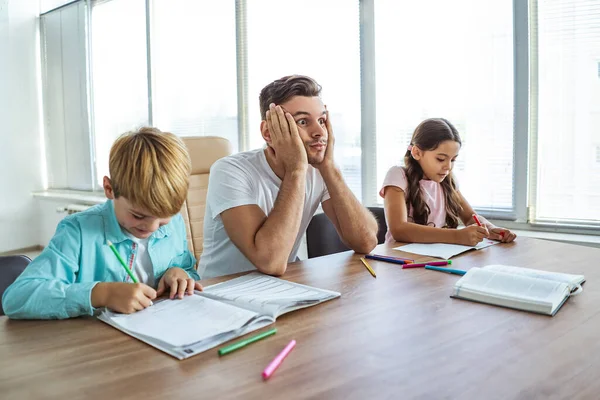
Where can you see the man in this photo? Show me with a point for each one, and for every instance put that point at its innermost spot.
(259, 202)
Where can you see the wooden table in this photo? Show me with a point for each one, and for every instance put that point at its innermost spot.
(397, 336)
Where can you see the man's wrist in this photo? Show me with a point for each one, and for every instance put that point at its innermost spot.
(330, 171)
(299, 173)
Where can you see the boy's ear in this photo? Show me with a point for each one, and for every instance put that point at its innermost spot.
(264, 130)
(416, 153)
(108, 189)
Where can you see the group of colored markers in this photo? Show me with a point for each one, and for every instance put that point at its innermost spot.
(268, 371)
(405, 262)
(408, 263)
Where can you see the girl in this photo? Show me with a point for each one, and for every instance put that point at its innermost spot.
(422, 198)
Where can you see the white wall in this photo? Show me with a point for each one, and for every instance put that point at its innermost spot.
(20, 144)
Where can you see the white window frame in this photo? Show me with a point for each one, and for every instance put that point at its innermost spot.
(525, 117)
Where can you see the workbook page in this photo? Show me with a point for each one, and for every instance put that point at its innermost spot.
(442, 250)
(517, 287)
(181, 322)
(270, 295)
(572, 280)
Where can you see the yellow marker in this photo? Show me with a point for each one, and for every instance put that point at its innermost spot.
(368, 267)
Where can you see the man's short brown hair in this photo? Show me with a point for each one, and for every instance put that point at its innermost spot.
(283, 89)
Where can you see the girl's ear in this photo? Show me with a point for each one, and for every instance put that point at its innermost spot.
(264, 130)
(416, 153)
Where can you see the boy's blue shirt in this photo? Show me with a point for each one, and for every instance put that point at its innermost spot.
(59, 282)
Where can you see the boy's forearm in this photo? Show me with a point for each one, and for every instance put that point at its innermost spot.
(186, 262)
(47, 299)
(357, 225)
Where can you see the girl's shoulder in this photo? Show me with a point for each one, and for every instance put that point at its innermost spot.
(396, 176)
(396, 170)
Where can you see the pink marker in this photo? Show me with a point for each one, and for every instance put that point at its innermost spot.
(266, 374)
(433, 263)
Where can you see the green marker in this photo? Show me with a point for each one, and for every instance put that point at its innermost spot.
(242, 343)
(114, 250)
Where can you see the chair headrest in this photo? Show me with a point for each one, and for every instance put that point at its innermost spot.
(205, 150)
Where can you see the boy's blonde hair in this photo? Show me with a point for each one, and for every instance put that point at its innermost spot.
(151, 169)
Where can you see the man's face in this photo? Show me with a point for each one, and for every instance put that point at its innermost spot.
(310, 116)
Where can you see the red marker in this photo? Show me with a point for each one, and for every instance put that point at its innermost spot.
(479, 224)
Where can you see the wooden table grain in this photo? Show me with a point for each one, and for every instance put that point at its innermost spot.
(399, 335)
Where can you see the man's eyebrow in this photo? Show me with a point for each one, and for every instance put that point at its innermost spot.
(298, 113)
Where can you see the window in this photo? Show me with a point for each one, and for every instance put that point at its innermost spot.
(65, 86)
(568, 111)
(288, 37)
(194, 68)
(528, 111)
(119, 74)
(455, 63)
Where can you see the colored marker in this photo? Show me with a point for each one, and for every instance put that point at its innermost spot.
(421, 265)
(114, 250)
(479, 224)
(387, 259)
(448, 270)
(266, 374)
(368, 267)
(238, 345)
(392, 258)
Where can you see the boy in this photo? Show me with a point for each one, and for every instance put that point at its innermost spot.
(77, 272)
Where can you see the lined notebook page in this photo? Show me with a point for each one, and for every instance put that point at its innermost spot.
(185, 321)
(267, 293)
(570, 279)
(500, 284)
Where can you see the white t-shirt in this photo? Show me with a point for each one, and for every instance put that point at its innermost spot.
(142, 265)
(242, 179)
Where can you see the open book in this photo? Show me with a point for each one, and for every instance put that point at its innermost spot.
(183, 328)
(443, 250)
(520, 288)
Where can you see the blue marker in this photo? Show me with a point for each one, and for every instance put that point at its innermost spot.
(448, 270)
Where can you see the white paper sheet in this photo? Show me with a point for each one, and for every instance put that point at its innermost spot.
(185, 321)
(442, 250)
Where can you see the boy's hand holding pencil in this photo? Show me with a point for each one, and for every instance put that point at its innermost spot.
(122, 297)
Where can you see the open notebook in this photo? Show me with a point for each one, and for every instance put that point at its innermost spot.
(443, 250)
(183, 328)
(520, 288)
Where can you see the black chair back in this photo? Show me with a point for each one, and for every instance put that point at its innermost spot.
(322, 238)
(10, 269)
